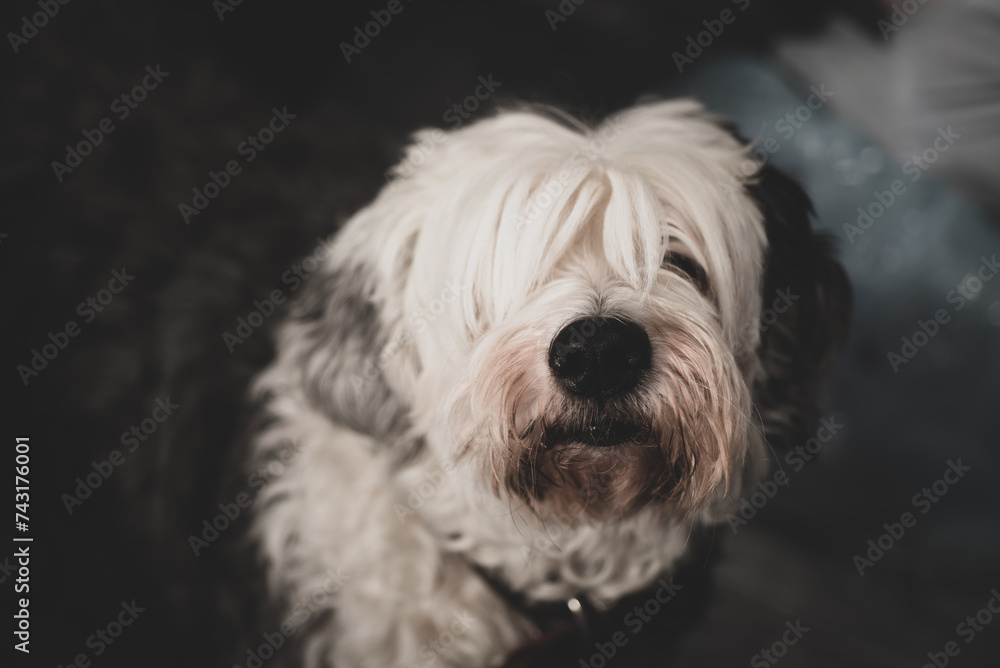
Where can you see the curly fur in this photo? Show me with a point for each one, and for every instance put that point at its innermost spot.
(416, 359)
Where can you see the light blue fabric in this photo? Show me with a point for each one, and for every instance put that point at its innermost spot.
(942, 404)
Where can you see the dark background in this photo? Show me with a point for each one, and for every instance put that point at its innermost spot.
(162, 336)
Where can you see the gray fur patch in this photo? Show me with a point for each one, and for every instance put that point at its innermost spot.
(340, 336)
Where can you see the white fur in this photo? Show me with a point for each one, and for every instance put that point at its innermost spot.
(536, 224)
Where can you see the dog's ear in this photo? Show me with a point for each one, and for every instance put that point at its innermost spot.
(338, 342)
(806, 310)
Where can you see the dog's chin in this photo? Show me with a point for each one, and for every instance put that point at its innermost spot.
(592, 461)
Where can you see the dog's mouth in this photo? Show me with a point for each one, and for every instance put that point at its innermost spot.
(604, 433)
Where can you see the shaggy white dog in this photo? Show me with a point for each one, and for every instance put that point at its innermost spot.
(531, 367)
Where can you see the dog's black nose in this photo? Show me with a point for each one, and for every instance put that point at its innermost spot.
(598, 358)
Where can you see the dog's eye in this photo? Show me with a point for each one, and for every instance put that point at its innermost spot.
(682, 264)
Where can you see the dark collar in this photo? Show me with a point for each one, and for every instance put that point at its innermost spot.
(571, 628)
(565, 627)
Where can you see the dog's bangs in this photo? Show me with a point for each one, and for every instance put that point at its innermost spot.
(633, 230)
(544, 215)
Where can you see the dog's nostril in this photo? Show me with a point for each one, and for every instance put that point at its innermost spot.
(598, 358)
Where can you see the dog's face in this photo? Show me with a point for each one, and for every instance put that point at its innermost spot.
(575, 315)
